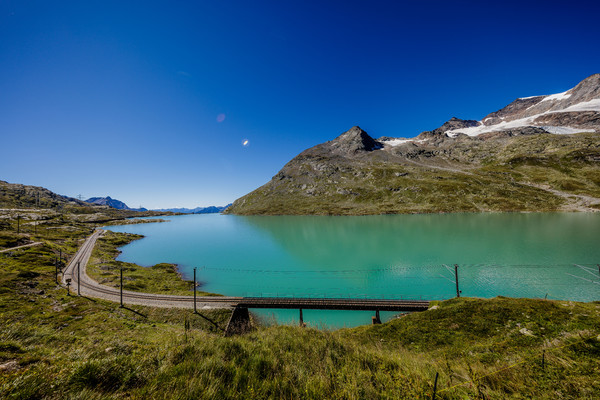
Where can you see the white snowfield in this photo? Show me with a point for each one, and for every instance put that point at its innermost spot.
(592, 105)
(557, 96)
(396, 142)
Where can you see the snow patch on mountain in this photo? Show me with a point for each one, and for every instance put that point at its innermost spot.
(592, 105)
(557, 96)
(517, 123)
(396, 142)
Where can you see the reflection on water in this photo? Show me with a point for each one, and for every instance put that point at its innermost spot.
(399, 256)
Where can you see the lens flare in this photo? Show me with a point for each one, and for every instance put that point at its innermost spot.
(220, 117)
(245, 142)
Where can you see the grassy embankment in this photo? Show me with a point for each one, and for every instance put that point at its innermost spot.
(55, 346)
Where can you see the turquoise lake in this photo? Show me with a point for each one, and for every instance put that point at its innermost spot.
(389, 256)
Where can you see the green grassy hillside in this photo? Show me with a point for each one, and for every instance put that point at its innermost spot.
(540, 172)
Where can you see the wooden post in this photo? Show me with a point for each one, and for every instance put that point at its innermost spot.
(456, 279)
(301, 318)
(18, 224)
(78, 278)
(56, 268)
(434, 386)
(543, 359)
(121, 287)
(195, 311)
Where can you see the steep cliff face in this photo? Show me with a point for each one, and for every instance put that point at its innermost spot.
(538, 153)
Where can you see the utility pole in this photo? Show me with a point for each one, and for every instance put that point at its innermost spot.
(121, 287)
(56, 268)
(456, 279)
(78, 279)
(18, 224)
(195, 311)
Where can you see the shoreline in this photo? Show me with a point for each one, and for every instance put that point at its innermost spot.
(160, 278)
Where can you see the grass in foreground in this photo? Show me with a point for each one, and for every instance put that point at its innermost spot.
(54, 346)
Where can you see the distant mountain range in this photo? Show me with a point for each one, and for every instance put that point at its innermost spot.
(113, 203)
(539, 153)
(197, 210)
(119, 205)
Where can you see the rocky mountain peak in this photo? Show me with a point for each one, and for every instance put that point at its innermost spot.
(354, 141)
(113, 203)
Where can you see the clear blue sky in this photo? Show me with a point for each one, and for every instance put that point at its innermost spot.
(149, 102)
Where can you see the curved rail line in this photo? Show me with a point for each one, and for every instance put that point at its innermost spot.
(89, 287)
(82, 282)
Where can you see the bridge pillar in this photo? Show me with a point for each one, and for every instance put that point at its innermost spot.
(376, 320)
(302, 324)
(239, 322)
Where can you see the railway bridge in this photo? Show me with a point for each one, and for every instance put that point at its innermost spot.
(76, 279)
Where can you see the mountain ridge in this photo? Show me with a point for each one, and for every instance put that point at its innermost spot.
(113, 203)
(197, 210)
(544, 159)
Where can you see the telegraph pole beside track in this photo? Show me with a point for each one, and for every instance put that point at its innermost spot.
(456, 279)
(195, 311)
(121, 287)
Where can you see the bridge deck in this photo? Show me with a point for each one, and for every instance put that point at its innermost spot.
(333, 304)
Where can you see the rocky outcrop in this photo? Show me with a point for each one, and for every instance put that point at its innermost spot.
(583, 119)
(353, 142)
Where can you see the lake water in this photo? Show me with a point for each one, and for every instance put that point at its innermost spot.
(390, 256)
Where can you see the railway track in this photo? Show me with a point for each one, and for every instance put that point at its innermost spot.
(76, 275)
